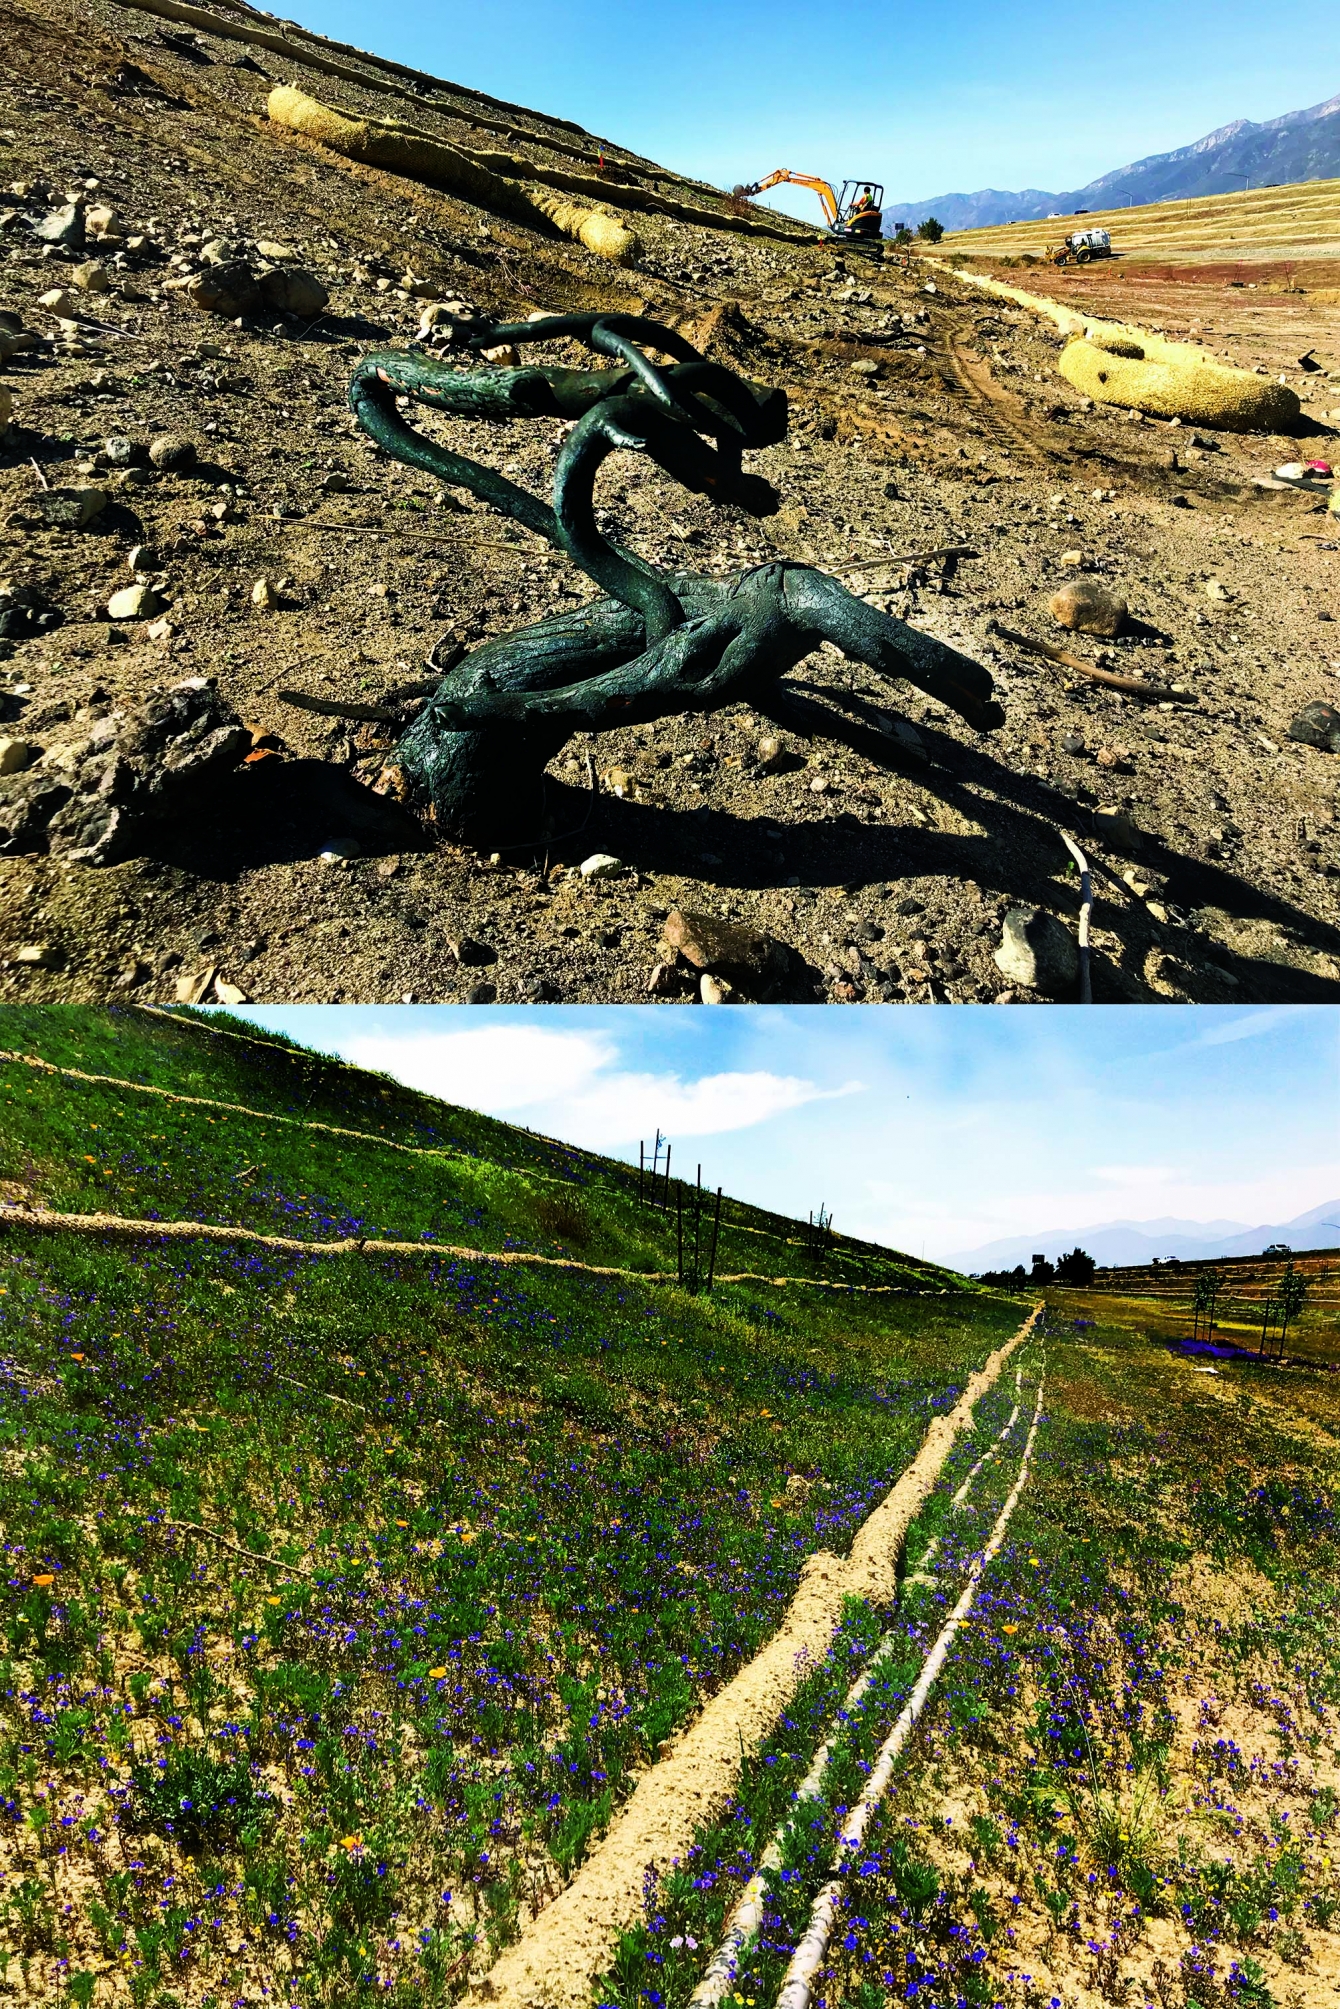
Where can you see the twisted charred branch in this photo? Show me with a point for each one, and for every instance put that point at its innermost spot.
(473, 760)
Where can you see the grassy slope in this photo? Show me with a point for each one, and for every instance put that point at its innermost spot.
(531, 1519)
(1126, 1789)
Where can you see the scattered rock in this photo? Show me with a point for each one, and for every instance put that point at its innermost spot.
(1037, 952)
(171, 451)
(482, 994)
(474, 954)
(1071, 558)
(39, 956)
(24, 611)
(1088, 608)
(664, 981)
(1114, 826)
(142, 558)
(265, 594)
(229, 994)
(70, 508)
(602, 865)
(16, 755)
(340, 851)
(775, 757)
(289, 289)
(194, 989)
(1072, 743)
(62, 226)
(1114, 757)
(227, 290)
(1215, 589)
(334, 483)
(92, 277)
(863, 367)
(1318, 724)
(120, 452)
(715, 990)
(58, 302)
(724, 948)
(134, 603)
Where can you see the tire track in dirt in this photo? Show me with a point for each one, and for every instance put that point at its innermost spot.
(554, 1963)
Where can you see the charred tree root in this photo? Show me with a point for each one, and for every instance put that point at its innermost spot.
(473, 761)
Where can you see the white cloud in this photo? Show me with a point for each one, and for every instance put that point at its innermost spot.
(496, 1068)
(571, 1084)
(1135, 1175)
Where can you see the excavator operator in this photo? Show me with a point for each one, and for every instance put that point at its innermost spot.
(864, 214)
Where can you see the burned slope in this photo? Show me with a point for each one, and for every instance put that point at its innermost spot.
(875, 841)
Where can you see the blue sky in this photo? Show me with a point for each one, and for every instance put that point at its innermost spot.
(921, 1129)
(957, 96)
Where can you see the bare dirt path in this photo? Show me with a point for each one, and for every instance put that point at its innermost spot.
(553, 1964)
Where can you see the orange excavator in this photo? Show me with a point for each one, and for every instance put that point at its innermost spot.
(855, 215)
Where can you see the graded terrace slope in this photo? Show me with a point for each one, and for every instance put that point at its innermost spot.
(348, 1601)
(920, 423)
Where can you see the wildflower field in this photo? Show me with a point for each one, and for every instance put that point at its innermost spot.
(347, 1599)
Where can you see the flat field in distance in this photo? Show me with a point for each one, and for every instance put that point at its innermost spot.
(347, 1597)
(1296, 224)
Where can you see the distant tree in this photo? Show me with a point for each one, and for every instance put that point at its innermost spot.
(902, 235)
(1077, 1268)
(1042, 1271)
(1007, 1280)
(931, 230)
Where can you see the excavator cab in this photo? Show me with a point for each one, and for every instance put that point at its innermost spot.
(860, 209)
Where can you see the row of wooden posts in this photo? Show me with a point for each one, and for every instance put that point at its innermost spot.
(698, 1215)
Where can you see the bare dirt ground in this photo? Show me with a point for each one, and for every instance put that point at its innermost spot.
(885, 861)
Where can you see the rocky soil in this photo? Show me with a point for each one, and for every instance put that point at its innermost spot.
(268, 548)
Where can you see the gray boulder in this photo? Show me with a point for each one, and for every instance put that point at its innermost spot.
(1037, 953)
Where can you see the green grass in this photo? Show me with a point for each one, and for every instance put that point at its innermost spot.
(503, 1530)
(1124, 1790)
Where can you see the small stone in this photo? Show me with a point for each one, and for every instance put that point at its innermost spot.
(618, 781)
(70, 508)
(160, 630)
(1088, 608)
(120, 452)
(142, 558)
(1114, 757)
(664, 981)
(543, 990)
(340, 851)
(92, 277)
(504, 355)
(1114, 826)
(193, 989)
(863, 367)
(715, 990)
(229, 994)
(475, 954)
(1215, 589)
(58, 302)
(15, 755)
(100, 221)
(265, 595)
(334, 483)
(722, 947)
(482, 994)
(169, 450)
(39, 956)
(289, 289)
(1318, 724)
(227, 290)
(774, 757)
(62, 226)
(1072, 743)
(1037, 952)
(602, 865)
(1071, 558)
(134, 603)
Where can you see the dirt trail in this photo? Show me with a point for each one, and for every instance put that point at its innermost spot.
(553, 1964)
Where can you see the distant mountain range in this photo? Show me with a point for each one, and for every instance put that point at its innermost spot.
(1140, 1241)
(1298, 146)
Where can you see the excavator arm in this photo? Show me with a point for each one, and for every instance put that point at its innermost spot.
(822, 189)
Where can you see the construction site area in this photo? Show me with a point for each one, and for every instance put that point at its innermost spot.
(225, 605)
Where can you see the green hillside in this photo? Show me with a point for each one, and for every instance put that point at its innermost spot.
(347, 1596)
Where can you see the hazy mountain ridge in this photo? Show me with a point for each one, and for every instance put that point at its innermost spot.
(1296, 146)
(1122, 1242)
